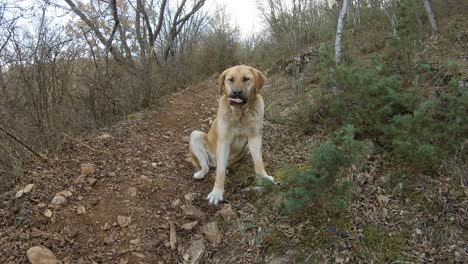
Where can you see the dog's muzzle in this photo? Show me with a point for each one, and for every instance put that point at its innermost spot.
(237, 97)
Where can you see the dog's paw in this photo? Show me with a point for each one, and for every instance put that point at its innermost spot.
(216, 196)
(270, 178)
(199, 175)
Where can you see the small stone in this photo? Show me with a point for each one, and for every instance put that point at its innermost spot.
(59, 200)
(227, 213)
(87, 168)
(154, 164)
(190, 196)
(106, 227)
(41, 205)
(176, 203)
(48, 213)
(124, 221)
(195, 252)
(92, 181)
(80, 210)
(212, 232)
(132, 191)
(65, 193)
(418, 231)
(41, 255)
(104, 136)
(193, 212)
(111, 174)
(189, 226)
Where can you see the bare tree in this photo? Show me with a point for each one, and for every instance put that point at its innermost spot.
(339, 32)
(431, 16)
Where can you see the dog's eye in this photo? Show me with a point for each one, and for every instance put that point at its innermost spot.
(231, 79)
(245, 79)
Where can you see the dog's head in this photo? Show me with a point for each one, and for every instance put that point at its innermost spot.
(240, 83)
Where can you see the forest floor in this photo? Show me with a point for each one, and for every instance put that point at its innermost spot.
(142, 205)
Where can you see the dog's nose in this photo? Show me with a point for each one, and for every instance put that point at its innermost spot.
(237, 91)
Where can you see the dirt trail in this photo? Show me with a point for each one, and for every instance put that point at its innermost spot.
(142, 173)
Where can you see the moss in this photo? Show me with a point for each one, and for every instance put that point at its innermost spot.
(388, 246)
(131, 116)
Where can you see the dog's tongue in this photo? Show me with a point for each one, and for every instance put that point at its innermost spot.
(235, 100)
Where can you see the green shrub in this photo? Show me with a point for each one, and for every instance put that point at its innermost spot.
(323, 182)
(417, 126)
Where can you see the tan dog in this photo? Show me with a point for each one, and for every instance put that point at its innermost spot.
(236, 128)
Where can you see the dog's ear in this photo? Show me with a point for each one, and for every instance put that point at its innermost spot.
(221, 82)
(259, 79)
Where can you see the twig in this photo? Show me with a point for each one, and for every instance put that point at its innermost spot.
(72, 138)
(22, 143)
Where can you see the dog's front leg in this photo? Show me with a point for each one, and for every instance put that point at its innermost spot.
(222, 155)
(255, 147)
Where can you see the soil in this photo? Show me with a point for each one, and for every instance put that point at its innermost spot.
(142, 205)
(142, 172)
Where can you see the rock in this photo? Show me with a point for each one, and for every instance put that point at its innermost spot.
(26, 189)
(65, 193)
(154, 164)
(212, 232)
(106, 227)
(104, 136)
(124, 221)
(58, 200)
(41, 255)
(190, 196)
(227, 213)
(111, 174)
(48, 213)
(80, 210)
(195, 252)
(172, 235)
(176, 203)
(132, 191)
(193, 212)
(41, 205)
(87, 168)
(92, 181)
(189, 226)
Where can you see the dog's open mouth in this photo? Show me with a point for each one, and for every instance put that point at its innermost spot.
(236, 101)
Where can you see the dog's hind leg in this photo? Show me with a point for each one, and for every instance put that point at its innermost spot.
(199, 153)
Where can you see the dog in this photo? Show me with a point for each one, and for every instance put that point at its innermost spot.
(236, 129)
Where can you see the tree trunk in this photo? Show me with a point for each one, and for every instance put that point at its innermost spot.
(339, 32)
(431, 16)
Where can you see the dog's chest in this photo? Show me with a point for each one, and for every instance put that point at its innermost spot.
(244, 124)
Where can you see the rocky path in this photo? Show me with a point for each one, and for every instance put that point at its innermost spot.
(134, 200)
